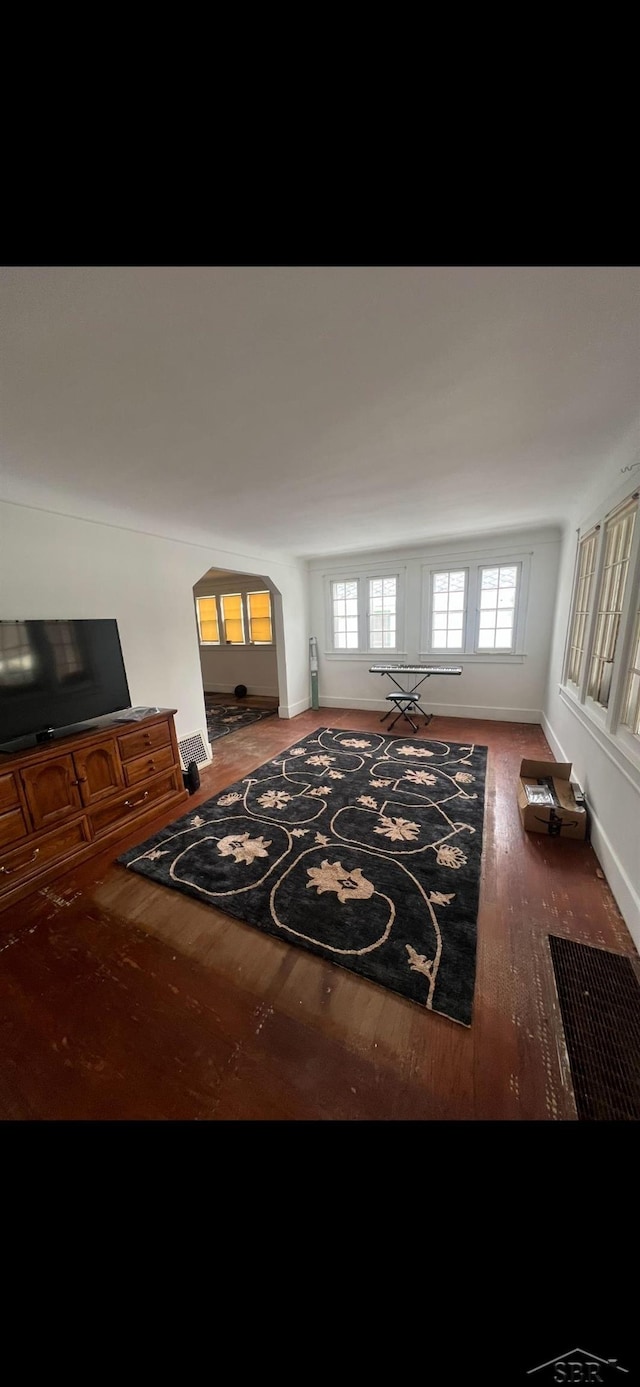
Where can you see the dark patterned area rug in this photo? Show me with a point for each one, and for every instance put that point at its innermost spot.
(223, 718)
(362, 848)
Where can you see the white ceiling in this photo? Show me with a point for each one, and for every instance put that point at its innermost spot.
(312, 410)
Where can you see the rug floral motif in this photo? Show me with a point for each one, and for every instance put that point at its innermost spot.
(362, 848)
(223, 718)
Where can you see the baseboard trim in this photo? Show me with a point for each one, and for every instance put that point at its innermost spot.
(291, 710)
(552, 739)
(446, 710)
(255, 690)
(622, 889)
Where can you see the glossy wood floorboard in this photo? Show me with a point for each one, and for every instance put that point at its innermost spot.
(122, 999)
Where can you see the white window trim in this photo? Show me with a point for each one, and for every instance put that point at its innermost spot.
(605, 723)
(432, 648)
(473, 569)
(363, 650)
(206, 597)
(257, 592)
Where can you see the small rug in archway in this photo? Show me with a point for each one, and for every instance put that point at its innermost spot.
(223, 718)
(361, 848)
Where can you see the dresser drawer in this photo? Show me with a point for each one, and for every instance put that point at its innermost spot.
(117, 811)
(12, 826)
(26, 861)
(8, 791)
(145, 766)
(146, 739)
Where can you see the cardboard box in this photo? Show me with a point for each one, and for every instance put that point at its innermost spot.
(563, 818)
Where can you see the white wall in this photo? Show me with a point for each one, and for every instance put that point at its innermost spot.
(491, 686)
(57, 566)
(224, 666)
(611, 787)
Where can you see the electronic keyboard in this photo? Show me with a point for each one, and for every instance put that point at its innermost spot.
(415, 669)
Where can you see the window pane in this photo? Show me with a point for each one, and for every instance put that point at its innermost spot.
(490, 577)
(382, 613)
(208, 619)
(448, 605)
(232, 618)
(617, 539)
(498, 589)
(584, 586)
(344, 602)
(260, 628)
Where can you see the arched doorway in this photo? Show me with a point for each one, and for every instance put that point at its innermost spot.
(238, 622)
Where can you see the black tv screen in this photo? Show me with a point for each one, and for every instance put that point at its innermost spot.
(57, 673)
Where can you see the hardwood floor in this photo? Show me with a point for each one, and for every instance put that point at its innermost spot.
(122, 999)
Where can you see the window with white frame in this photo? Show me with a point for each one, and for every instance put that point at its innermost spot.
(587, 552)
(631, 701)
(208, 624)
(224, 619)
(382, 613)
(497, 612)
(603, 678)
(344, 615)
(618, 540)
(448, 609)
(476, 609)
(364, 613)
(259, 615)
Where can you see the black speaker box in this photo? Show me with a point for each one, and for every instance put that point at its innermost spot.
(191, 778)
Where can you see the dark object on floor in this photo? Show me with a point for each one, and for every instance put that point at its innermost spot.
(223, 718)
(240, 691)
(599, 995)
(360, 847)
(191, 778)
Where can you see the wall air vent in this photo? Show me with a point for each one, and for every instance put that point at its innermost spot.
(194, 747)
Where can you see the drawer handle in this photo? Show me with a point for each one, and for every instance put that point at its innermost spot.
(9, 870)
(151, 765)
(133, 803)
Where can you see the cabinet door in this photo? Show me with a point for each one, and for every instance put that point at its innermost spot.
(99, 771)
(51, 790)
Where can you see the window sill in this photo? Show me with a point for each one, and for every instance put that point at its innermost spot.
(620, 752)
(483, 657)
(375, 657)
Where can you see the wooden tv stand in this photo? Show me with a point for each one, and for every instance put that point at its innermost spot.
(68, 799)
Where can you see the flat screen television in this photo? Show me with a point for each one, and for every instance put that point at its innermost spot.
(56, 674)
